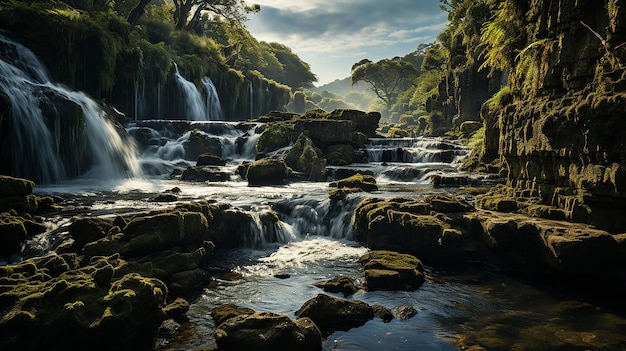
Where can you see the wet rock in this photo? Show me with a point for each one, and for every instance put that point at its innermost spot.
(340, 155)
(274, 137)
(383, 313)
(366, 123)
(176, 309)
(76, 301)
(210, 160)
(12, 234)
(387, 270)
(89, 229)
(224, 312)
(331, 313)
(267, 172)
(11, 186)
(359, 181)
(404, 312)
(267, 331)
(204, 174)
(201, 143)
(326, 132)
(306, 157)
(165, 198)
(339, 283)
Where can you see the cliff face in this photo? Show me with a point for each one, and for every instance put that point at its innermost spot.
(562, 132)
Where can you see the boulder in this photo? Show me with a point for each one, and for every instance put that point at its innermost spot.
(305, 157)
(267, 172)
(331, 313)
(359, 181)
(383, 313)
(274, 137)
(12, 234)
(204, 174)
(73, 307)
(208, 159)
(326, 132)
(404, 312)
(366, 123)
(387, 270)
(201, 143)
(89, 229)
(340, 155)
(11, 186)
(226, 311)
(339, 283)
(267, 331)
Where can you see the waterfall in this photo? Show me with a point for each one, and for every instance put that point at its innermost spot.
(199, 108)
(251, 96)
(44, 138)
(194, 103)
(213, 105)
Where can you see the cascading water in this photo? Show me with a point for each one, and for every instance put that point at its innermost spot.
(251, 98)
(198, 108)
(49, 145)
(213, 105)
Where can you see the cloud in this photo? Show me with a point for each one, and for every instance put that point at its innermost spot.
(323, 29)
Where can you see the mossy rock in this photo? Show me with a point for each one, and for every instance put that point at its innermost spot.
(11, 186)
(267, 172)
(358, 181)
(331, 313)
(305, 157)
(89, 229)
(365, 123)
(224, 312)
(388, 270)
(274, 137)
(340, 155)
(340, 283)
(12, 234)
(208, 159)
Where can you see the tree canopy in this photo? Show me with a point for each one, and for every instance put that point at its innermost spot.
(387, 77)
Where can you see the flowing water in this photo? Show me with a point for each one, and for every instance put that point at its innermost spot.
(459, 306)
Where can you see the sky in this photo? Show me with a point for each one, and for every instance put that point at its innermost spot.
(332, 35)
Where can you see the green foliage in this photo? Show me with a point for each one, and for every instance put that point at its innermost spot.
(297, 72)
(476, 140)
(499, 99)
(501, 36)
(387, 78)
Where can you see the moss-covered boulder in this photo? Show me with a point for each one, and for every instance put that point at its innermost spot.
(267, 331)
(205, 174)
(11, 186)
(305, 157)
(12, 234)
(340, 283)
(388, 270)
(366, 123)
(88, 229)
(340, 155)
(358, 181)
(72, 305)
(200, 143)
(226, 311)
(330, 313)
(326, 132)
(267, 172)
(274, 137)
(208, 159)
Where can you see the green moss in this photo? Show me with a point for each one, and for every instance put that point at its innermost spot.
(359, 181)
(274, 137)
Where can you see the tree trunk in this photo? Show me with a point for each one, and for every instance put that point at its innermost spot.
(137, 12)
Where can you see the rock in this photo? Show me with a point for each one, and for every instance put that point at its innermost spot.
(74, 307)
(224, 312)
(208, 159)
(305, 157)
(387, 270)
(366, 123)
(468, 128)
(359, 181)
(267, 331)
(383, 313)
(267, 172)
(274, 137)
(404, 312)
(331, 313)
(448, 203)
(339, 283)
(26, 203)
(89, 229)
(201, 143)
(165, 198)
(326, 132)
(340, 155)
(11, 186)
(12, 234)
(176, 309)
(204, 174)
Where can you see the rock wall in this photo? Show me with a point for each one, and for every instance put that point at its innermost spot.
(563, 133)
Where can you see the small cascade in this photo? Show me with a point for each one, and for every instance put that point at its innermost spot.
(415, 150)
(251, 98)
(167, 145)
(194, 103)
(199, 108)
(55, 133)
(213, 105)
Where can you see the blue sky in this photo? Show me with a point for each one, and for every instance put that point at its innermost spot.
(332, 35)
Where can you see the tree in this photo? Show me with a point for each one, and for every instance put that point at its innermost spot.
(297, 72)
(188, 12)
(387, 77)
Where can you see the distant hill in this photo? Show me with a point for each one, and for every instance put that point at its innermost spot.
(343, 87)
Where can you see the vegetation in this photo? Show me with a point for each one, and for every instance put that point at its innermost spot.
(112, 49)
(387, 77)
